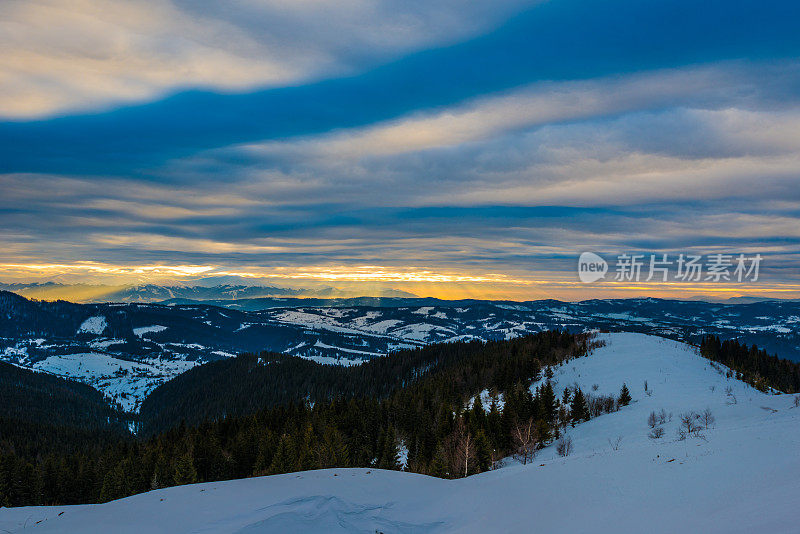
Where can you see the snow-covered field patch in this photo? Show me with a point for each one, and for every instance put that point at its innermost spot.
(93, 325)
(122, 381)
(142, 330)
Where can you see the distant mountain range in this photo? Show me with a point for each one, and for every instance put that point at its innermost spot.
(126, 350)
(158, 293)
(255, 297)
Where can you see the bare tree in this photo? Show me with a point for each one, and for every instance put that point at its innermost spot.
(652, 420)
(688, 425)
(526, 439)
(563, 416)
(564, 445)
(707, 418)
(657, 418)
(662, 416)
(731, 395)
(615, 443)
(656, 433)
(465, 451)
(460, 450)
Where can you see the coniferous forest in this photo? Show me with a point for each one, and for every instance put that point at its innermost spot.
(272, 413)
(449, 410)
(753, 365)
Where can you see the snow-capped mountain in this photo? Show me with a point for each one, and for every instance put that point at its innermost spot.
(738, 473)
(126, 350)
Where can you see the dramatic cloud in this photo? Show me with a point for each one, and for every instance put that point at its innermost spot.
(93, 54)
(484, 161)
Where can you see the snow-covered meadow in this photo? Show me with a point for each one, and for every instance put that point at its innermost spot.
(741, 475)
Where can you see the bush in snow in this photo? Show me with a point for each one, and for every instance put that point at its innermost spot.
(601, 404)
(564, 446)
(689, 425)
(656, 433)
(652, 420)
(730, 394)
(657, 418)
(707, 418)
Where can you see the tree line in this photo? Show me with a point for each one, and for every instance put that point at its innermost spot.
(753, 365)
(433, 416)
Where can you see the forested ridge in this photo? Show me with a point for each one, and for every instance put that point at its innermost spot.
(42, 414)
(362, 416)
(244, 384)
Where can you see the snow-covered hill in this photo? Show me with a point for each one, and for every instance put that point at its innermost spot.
(742, 474)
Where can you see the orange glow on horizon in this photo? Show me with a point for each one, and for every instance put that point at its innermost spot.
(90, 280)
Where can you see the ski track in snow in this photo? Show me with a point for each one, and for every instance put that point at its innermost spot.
(743, 477)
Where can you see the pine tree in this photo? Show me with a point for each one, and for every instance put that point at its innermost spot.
(283, 460)
(578, 408)
(333, 451)
(114, 485)
(161, 477)
(264, 454)
(483, 451)
(549, 403)
(185, 472)
(390, 455)
(624, 396)
(438, 467)
(304, 455)
(477, 417)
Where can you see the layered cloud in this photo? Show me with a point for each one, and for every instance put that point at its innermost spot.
(486, 162)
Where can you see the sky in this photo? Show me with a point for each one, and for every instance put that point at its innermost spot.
(448, 149)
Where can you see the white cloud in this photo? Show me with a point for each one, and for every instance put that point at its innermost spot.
(90, 54)
(701, 133)
(548, 103)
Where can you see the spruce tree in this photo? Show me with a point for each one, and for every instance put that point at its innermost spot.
(578, 409)
(483, 451)
(283, 460)
(624, 396)
(390, 456)
(185, 472)
(549, 403)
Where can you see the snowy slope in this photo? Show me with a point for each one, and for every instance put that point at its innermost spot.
(743, 476)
